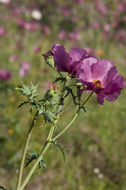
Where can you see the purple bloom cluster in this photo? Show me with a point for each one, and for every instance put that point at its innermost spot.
(68, 62)
(5, 75)
(99, 76)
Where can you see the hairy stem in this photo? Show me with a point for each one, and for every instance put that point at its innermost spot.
(19, 180)
(45, 148)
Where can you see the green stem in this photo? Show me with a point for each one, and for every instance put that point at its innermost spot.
(45, 148)
(63, 131)
(24, 153)
(87, 98)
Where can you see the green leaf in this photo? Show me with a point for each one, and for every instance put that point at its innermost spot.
(61, 148)
(50, 61)
(42, 164)
(32, 156)
(29, 92)
(2, 188)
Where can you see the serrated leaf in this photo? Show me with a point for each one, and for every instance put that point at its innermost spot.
(42, 164)
(61, 148)
(2, 188)
(29, 92)
(32, 156)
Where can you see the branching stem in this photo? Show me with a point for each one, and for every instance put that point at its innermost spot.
(19, 180)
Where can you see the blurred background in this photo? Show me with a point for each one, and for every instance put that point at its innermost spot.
(96, 143)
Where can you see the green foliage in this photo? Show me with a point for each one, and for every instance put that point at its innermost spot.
(32, 156)
(28, 92)
(2, 188)
(49, 60)
(49, 106)
(56, 144)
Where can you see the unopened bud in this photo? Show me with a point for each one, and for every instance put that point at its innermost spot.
(54, 86)
(49, 58)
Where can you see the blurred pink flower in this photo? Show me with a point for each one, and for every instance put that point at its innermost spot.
(20, 22)
(62, 35)
(46, 30)
(14, 58)
(101, 7)
(105, 35)
(2, 31)
(37, 49)
(25, 66)
(90, 50)
(31, 26)
(95, 25)
(115, 24)
(107, 27)
(121, 35)
(16, 12)
(75, 35)
(80, 1)
(47, 85)
(121, 7)
(5, 75)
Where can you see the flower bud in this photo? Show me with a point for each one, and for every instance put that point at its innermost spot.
(49, 58)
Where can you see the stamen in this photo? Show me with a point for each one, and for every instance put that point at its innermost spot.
(97, 83)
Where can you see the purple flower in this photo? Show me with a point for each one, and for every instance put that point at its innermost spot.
(102, 78)
(5, 75)
(68, 62)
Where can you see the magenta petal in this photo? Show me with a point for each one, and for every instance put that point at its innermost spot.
(119, 81)
(100, 69)
(60, 57)
(115, 86)
(113, 96)
(75, 57)
(85, 73)
(112, 73)
(77, 54)
(100, 98)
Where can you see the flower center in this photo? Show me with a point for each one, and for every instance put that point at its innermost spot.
(97, 83)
